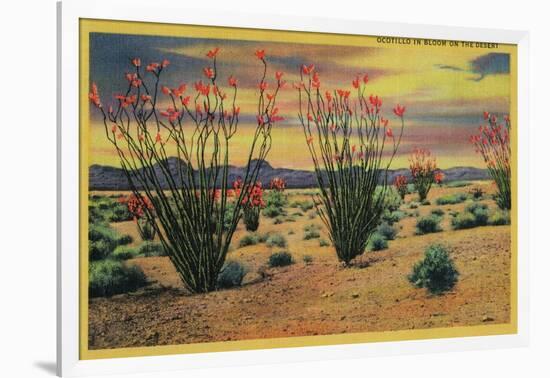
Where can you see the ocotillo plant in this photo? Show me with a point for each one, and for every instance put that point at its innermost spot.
(347, 140)
(252, 203)
(278, 184)
(493, 143)
(400, 183)
(149, 120)
(136, 206)
(423, 171)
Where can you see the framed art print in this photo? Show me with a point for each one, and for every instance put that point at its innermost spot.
(282, 191)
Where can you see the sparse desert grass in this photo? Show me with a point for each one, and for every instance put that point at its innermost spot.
(149, 248)
(311, 231)
(452, 199)
(458, 184)
(276, 240)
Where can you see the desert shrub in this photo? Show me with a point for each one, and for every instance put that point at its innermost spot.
(377, 242)
(110, 277)
(308, 259)
(98, 232)
(392, 199)
(231, 275)
(458, 184)
(474, 206)
(311, 232)
(278, 220)
(463, 221)
(476, 214)
(276, 240)
(393, 217)
(149, 249)
(95, 215)
(251, 217)
(436, 272)
(119, 213)
(291, 232)
(276, 198)
(401, 185)
(452, 199)
(428, 224)
(103, 240)
(100, 249)
(272, 211)
(298, 214)
(125, 239)
(476, 193)
(387, 231)
(413, 205)
(249, 239)
(124, 252)
(499, 218)
(425, 202)
(280, 259)
(305, 206)
(424, 172)
(323, 243)
(438, 212)
(289, 219)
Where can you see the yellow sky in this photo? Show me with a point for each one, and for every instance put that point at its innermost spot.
(442, 103)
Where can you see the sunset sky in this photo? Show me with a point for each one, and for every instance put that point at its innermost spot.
(445, 90)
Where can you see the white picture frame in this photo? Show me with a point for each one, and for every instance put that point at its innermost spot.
(69, 13)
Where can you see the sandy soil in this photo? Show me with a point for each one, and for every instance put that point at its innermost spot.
(317, 298)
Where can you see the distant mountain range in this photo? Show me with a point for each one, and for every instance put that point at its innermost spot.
(112, 178)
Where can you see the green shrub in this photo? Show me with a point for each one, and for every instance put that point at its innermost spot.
(463, 221)
(499, 218)
(272, 211)
(473, 206)
(452, 199)
(278, 220)
(275, 199)
(428, 224)
(392, 217)
(124, 252)
(413, 205)
(276, 240)
(149, 248)
(311, 232)
(323, 243)
(392, 199)
(476, 214)
(436, 272)
(305, 206)
(308, 259)
(425, 202)
(387, 231)
(248, 239)
(110, 277)
(231, 275)
(100, 249)
(119, 212)
(103, 240)
(438, 212)
(280, 259)
(377, 242)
